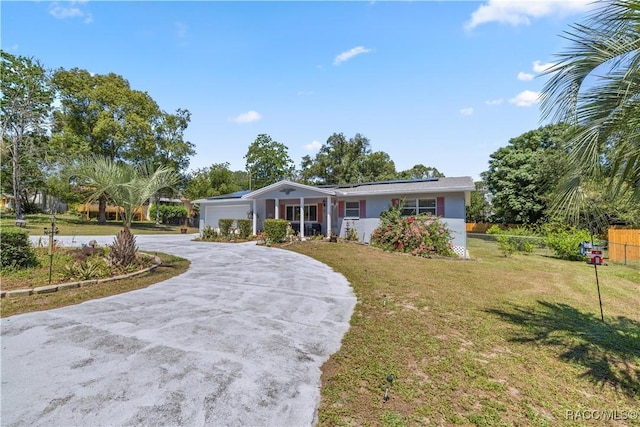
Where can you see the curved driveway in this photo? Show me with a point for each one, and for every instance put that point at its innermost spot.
(237, 340)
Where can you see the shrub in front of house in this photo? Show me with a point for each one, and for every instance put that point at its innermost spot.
(225, 226)
(244, 228)
(275, 230)
(209, 233)
(420, 235)
(16, 250)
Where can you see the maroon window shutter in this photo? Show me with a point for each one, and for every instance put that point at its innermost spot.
(363, 208)
(341, 209)
(394, 203)
(283, 213)
(270, 208)
(319, 218)
(440, 206)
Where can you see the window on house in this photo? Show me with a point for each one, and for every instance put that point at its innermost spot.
(352, 209)
(419, 206)
(427, 206)
(310, 213)
(409, 207)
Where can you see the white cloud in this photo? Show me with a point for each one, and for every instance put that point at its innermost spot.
(348, 54)
(305, 93)
(520, 12)
(314, 146)
(525, 76)
(70, 10)
(526, 98)
(466, 111)
(248, 117)
(539, 67)
(494, 101)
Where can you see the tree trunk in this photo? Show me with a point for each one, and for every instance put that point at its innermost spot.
(102, 210)
(16, 180)
(157, 208)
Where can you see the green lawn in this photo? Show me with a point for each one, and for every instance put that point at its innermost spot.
(70, 225)
(489, 341)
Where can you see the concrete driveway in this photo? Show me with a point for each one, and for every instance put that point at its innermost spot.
(238, 340)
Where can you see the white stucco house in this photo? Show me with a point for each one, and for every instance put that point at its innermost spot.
(332, 208)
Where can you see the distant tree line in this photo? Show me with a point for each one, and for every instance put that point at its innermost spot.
(338, 161)
(99, 116)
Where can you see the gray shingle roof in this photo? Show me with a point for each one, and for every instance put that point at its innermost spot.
(236, 195)
(441, 185)
(432, 185)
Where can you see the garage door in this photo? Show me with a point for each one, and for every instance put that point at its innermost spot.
(214, 213)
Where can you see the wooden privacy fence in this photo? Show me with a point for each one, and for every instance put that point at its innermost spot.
(624, 244)
(478, 227)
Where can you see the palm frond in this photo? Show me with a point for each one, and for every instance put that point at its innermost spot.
(595, 85)
(125, 185)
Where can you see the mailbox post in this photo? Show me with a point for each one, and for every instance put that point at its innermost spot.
(50, 232)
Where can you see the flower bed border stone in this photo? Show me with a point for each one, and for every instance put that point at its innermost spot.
(84, 283)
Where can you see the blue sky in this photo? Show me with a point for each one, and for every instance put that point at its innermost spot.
(444, 84)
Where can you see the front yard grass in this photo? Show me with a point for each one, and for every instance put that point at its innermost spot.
(489, 341)
(70, 225)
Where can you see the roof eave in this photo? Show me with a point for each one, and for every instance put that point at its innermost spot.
(285, 183)
(408, 191)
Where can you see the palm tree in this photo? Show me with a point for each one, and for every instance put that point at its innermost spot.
(595, 85)
(123, 184)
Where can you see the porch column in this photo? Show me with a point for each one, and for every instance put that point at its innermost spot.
(301, 217)
(255, 217)
(328, 216)
(277, 202)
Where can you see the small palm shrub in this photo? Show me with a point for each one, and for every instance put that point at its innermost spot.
(16, 250)
(420, 235)
(122, 252)
(84, 270)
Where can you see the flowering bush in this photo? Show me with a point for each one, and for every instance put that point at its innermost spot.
(420, 235)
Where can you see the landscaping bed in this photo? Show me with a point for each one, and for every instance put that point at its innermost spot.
(170, 266)
(69, 265)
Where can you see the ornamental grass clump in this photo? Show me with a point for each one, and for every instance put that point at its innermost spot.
(420, 235)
